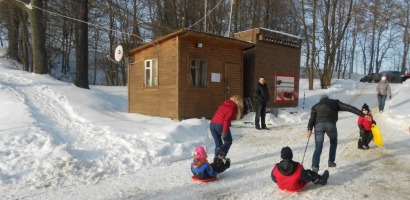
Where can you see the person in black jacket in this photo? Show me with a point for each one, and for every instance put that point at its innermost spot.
(261, 96)
(323, 118)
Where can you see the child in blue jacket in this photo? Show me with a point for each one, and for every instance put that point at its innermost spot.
(200, 166)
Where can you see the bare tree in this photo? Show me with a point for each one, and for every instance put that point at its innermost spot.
(406, 36)
(310, 38)
(40, 64)
(81, 36)
(11, 15)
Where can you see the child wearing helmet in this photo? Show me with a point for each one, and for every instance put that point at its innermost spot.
(200, 167)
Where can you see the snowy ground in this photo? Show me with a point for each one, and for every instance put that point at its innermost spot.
(62, 142)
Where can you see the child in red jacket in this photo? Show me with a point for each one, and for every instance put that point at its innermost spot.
(365, 126)
(291, 176)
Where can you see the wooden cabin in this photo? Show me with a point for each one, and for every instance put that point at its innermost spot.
(276, 56)
(185, 74)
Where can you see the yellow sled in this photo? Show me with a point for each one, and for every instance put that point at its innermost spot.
(377, 136)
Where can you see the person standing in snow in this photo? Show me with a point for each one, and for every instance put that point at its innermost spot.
(291, 176)
(200, 167)
(383, 90)
(323, 118)
(365, 126)
(220, 127)
(261, 97)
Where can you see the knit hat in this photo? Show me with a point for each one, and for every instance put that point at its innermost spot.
(200, 152)
(286, 153)
(365, 107)
(324, 97)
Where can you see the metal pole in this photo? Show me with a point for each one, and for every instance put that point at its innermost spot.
(305, 150)
(303, 101)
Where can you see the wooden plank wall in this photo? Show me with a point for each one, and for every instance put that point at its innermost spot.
(274, 53)
(157, 101)
(275, 59)
(203, 102)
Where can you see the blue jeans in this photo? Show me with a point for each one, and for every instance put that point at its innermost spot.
(381, 99)
(320, 129)
(225, 144)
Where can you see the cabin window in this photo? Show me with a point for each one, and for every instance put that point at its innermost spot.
(198, 72)
(151, 76)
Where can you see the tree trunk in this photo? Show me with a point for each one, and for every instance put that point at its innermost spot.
(13, 27)
(38, 40)
(406, 41)
(81, 75)
(25, 43)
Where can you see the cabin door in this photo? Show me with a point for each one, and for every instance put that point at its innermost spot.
(233, 80)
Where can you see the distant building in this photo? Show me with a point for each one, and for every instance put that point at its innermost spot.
(185, 74)
(276, 56)
(188, 74)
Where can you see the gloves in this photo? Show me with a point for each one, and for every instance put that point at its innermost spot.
(374, 122)
(390, 96)
(224, 134)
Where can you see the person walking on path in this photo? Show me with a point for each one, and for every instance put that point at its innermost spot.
(220, 126)
(383, 90)
(291, 176)
(261, 97)
(323, 118)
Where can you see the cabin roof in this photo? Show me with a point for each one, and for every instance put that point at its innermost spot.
(187, 32)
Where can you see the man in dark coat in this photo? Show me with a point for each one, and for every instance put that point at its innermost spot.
(323, 118)
(261, 96)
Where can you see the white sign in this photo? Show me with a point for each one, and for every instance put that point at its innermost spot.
(215, 77)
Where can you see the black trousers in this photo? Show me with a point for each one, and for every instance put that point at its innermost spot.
(260, 113)
(365, 139)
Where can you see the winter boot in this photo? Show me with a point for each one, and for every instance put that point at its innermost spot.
(360, 144)
(228, 163)
(221, 155)
(323, 178)
(315, 169)
(331, 164)
(314, 176)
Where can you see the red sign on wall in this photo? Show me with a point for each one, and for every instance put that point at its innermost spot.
(285, 88)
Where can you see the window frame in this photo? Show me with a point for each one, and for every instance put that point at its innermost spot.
(153, 73)
(201, 72)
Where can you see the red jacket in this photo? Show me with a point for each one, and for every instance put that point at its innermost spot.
(290, 183)
(367, 124)
(225, 114)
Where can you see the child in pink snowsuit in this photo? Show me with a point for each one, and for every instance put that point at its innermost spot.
(200, 166)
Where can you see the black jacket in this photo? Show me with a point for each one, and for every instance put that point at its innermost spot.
(327, 111)
(261, 93)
